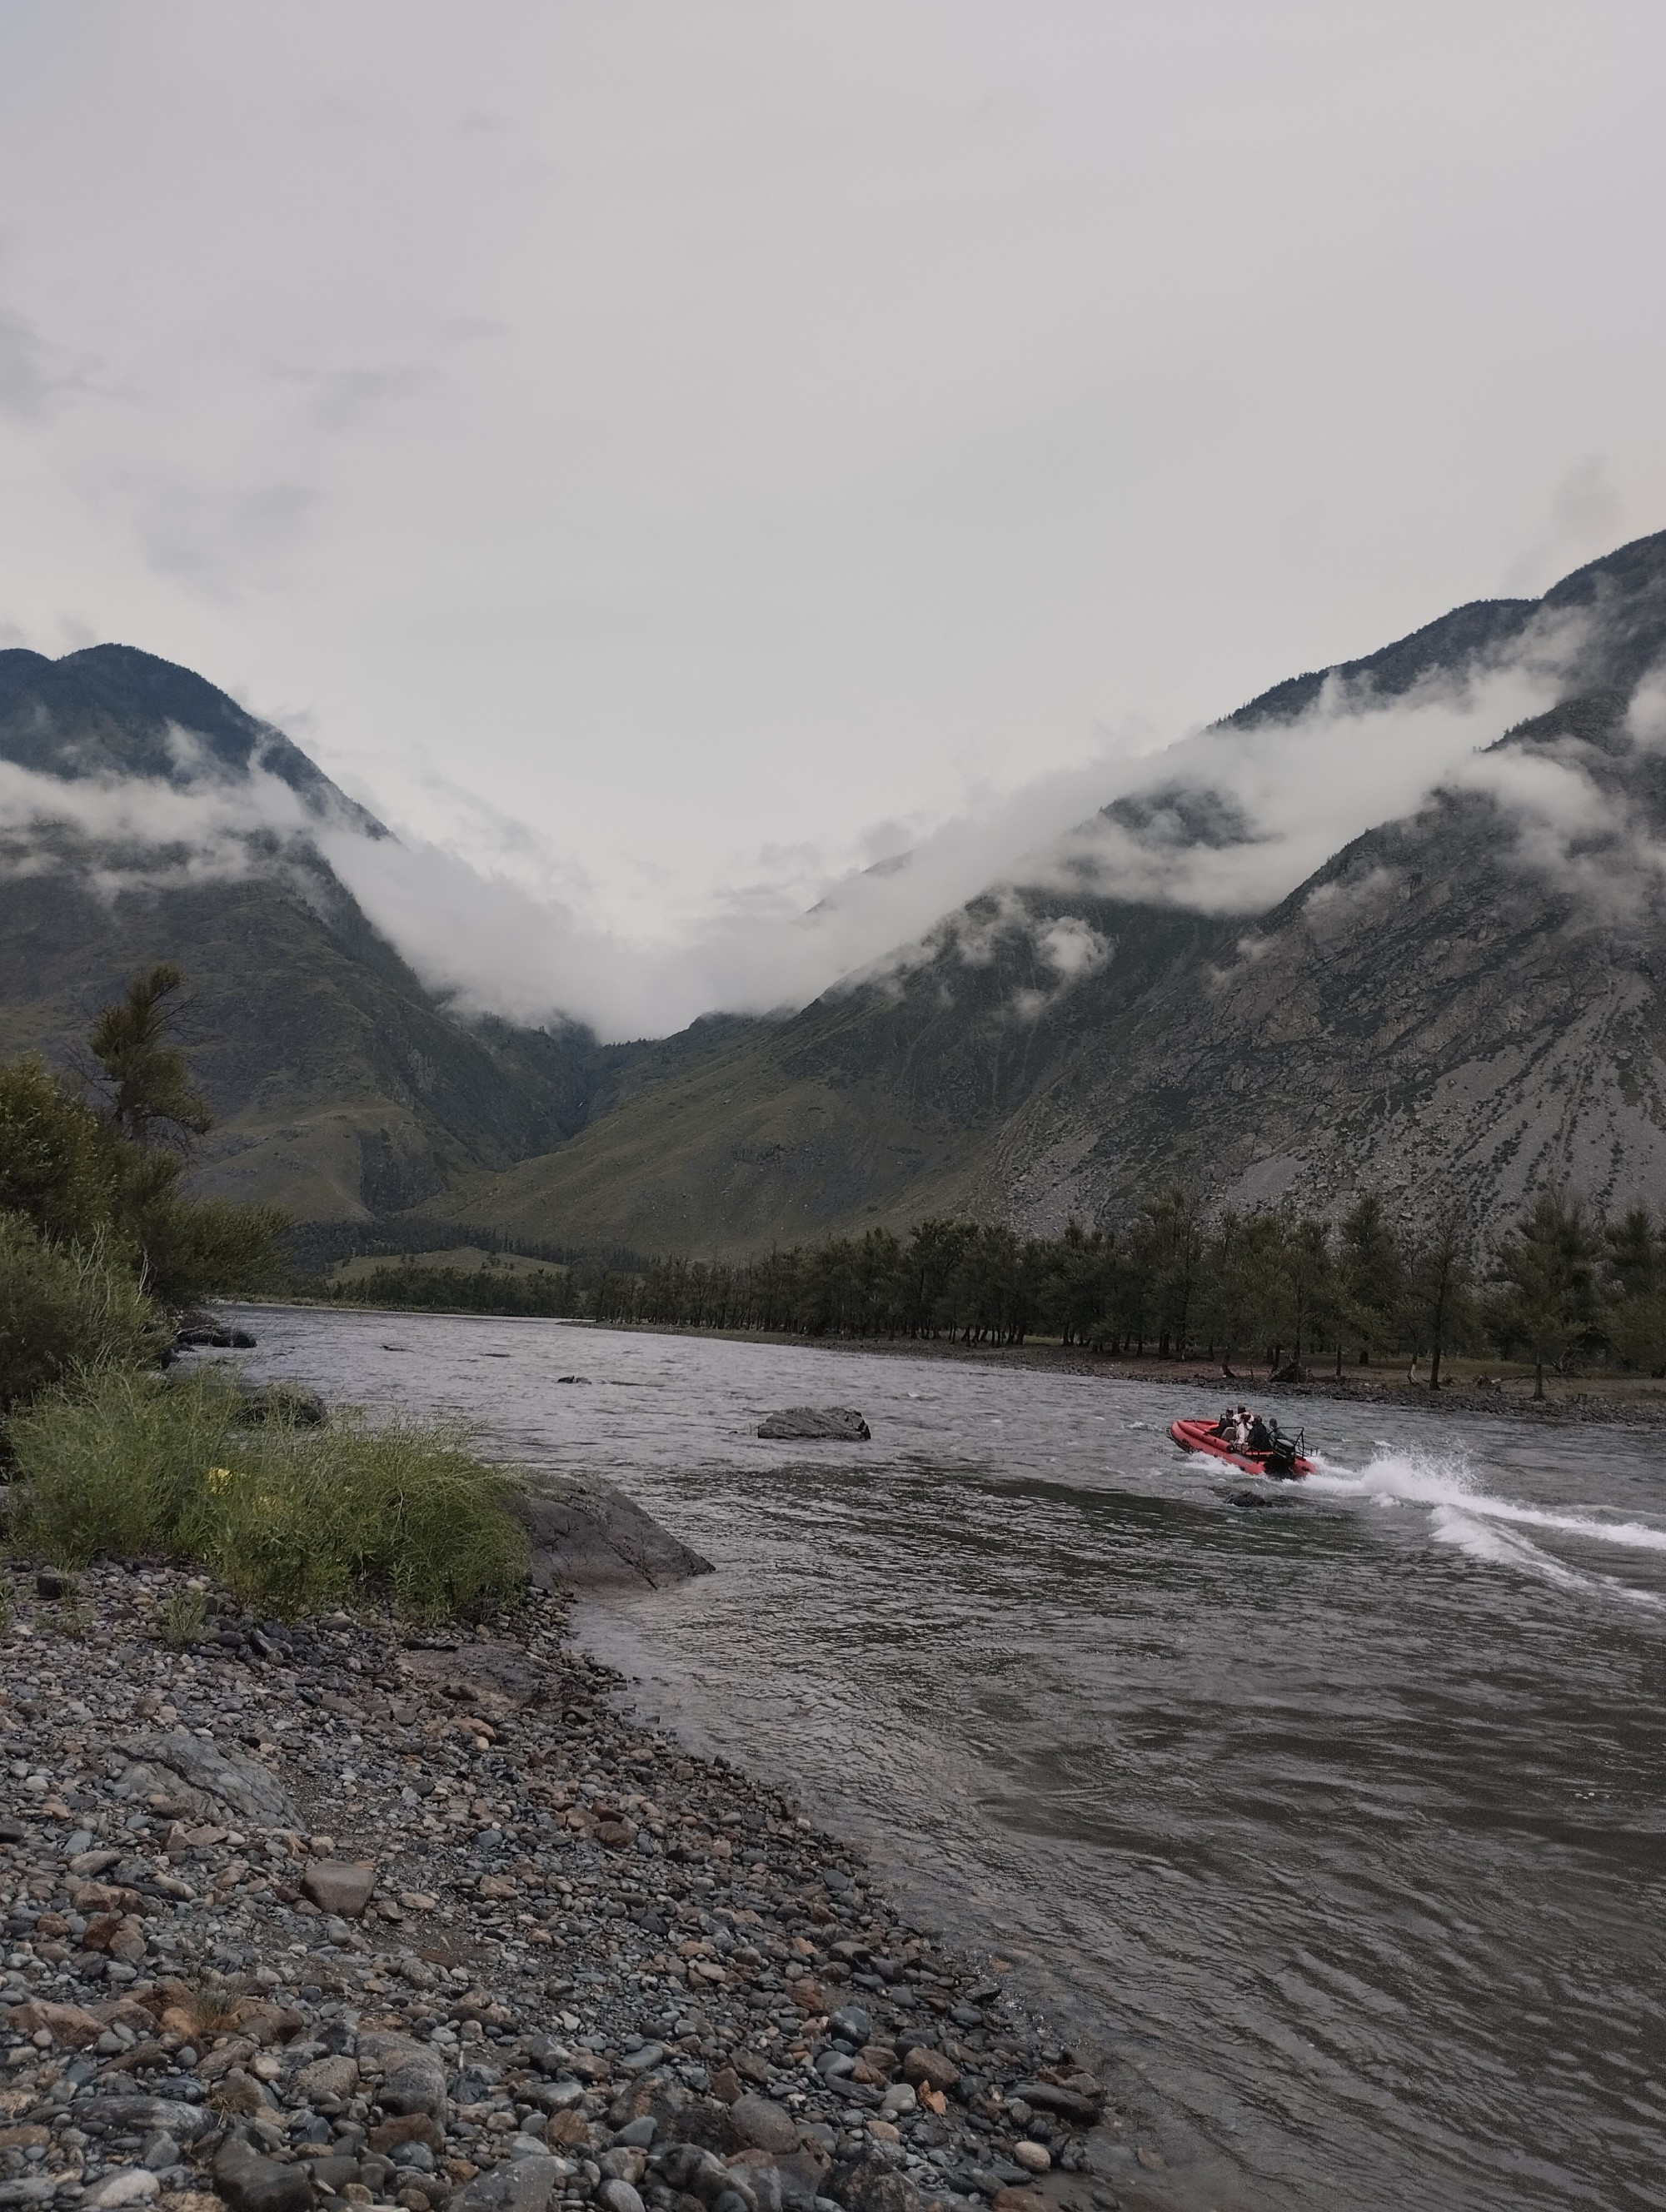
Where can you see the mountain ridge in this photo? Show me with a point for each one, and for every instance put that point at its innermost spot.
(1457, 1004)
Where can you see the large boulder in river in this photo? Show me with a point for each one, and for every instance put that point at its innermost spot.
(816, 1424)
(584, 1531)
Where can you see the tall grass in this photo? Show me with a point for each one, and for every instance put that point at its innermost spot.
(65, 1307)
(288, 1519)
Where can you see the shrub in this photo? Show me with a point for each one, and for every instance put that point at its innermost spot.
(210, 1248)
(288, 1519)
(64, 1308)
(56, 1167)
(96, 1233)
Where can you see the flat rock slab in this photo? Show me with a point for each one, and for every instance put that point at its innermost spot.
(1081, 2100)
(816, 1424)
(344, 1886)
(129, 2185)
(519, 2184)
(210, 1783)
(588, 1532)
(78, 2027)
(145, 2115)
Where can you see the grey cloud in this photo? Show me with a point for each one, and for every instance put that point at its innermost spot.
(33, 370)
(24, 381)
(217, 542)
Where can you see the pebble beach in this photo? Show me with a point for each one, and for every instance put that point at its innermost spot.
(342, 1913)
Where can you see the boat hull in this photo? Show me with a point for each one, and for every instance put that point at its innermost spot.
(1200, 1436)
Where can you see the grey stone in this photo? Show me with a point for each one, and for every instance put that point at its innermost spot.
(250, 2183)
(530, 2146)
(341, 1887)
(618, 2195)
(871, 2186)
(160, 2153)
(215, 1782)
(413, 2076)
(584, 1531)
(1082, 2102)
(519, 2184)
(816, 1424)
(333, 2173)
(643, 2059)
(128, 2185)
(143, 2116)
(555, 2096)
(764, 2124)
(639, 2134)
(326, 2077)
(852, 2025)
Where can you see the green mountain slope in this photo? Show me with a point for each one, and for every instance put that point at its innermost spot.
(873, 1106)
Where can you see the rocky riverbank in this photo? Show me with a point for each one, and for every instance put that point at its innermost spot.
(339, 1915)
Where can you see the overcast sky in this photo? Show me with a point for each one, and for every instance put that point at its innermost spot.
(676, 452)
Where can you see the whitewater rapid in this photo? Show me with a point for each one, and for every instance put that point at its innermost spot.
(1463, 1512)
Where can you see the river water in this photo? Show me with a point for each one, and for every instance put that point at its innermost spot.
(1335, 1829)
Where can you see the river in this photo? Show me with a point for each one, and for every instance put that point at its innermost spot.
(1334, 1829)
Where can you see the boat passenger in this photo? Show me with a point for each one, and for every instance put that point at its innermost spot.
(1227, 1427)
(1261, 1438)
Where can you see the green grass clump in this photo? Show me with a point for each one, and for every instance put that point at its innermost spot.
(290, 1519)
(182, 1618)
(63, 1308)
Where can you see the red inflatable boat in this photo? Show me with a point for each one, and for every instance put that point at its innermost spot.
(1200, 1436)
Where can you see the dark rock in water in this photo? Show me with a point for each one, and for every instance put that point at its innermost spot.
(291, 1405)
(1247, 1498)
(572, 1378)
(1291, 1373)
(586, 1531)
(816, 1424)
(1081, 2099)
(200, 1330)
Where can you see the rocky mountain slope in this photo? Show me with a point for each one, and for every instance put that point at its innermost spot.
(1460, 1004)
(1457, 1006)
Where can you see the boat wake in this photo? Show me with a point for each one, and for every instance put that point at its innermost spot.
(1501, 1531)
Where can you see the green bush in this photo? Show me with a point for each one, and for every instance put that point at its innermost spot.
(56, 1162)
(64, 1308)
(210, 1248)
(289, 1519)
(92, 1204)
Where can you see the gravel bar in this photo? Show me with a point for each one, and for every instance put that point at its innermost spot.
(342, 1914)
